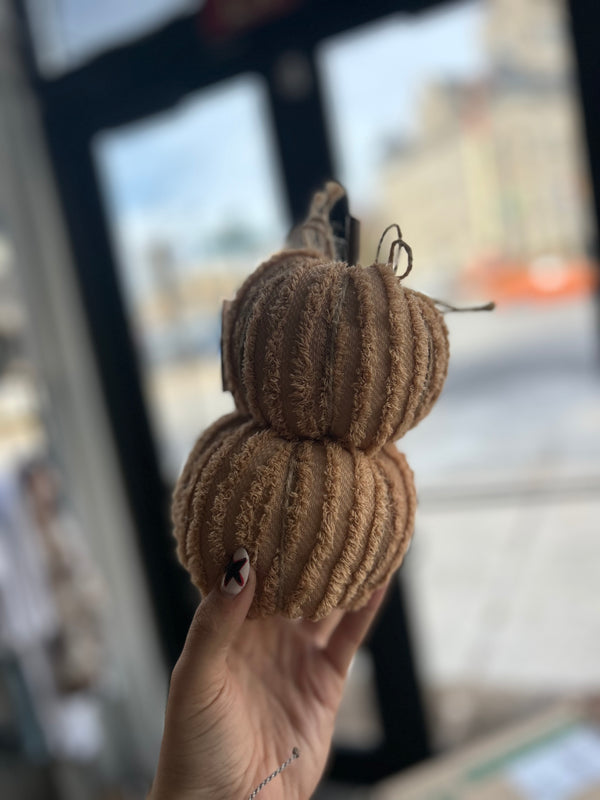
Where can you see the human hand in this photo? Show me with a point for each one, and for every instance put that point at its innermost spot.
(245, 692)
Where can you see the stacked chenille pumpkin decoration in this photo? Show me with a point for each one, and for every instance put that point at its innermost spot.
(329, 363)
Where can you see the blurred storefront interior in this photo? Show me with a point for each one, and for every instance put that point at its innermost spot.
(151, 155)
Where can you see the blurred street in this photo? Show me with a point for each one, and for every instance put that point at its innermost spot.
(520, 411)
(502, 573)
(503, 568)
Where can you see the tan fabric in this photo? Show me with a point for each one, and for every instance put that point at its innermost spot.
(328, 364)
(324, 525)
(317, 348)
(316, 232)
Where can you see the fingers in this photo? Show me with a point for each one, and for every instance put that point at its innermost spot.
(348, 635)
(216, 625)
(319, 632)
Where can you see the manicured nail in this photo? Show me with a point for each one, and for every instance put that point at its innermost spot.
(236, 572)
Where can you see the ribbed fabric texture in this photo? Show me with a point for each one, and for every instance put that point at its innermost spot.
(317, 348)
(324, 525)
(328, 365)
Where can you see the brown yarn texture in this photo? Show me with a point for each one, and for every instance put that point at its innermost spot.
(317, 348)
(328, 364)
(325, 526)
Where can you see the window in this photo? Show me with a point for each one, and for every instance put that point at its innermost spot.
(195, 204)
(67, 33)
(463, 127)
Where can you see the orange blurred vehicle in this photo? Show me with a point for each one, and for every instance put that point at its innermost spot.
(548, 277)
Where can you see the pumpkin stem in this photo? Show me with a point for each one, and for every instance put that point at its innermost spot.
(448, 307)
(328, 227)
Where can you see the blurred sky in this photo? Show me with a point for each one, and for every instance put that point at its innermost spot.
(207, 165)
(374, 78)
(191, 173)
(68, 32)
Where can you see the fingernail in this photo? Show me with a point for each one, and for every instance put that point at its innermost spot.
(236, 572)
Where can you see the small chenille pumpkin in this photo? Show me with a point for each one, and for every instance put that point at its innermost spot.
(324, 526)
(316, 347)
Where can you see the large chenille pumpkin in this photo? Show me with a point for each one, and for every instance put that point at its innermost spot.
(328, 362)
(323, 525)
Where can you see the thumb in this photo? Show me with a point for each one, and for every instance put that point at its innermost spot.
(216, 624)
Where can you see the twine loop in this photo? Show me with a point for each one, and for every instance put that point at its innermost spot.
(395, 249)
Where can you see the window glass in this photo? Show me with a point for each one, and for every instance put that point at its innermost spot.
(463, 126)
(195, 204)
(67, 33)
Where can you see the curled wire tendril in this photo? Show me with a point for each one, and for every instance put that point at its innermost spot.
(395, 249)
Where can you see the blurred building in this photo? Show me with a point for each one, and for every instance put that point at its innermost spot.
(200, 291)
(495, 170)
